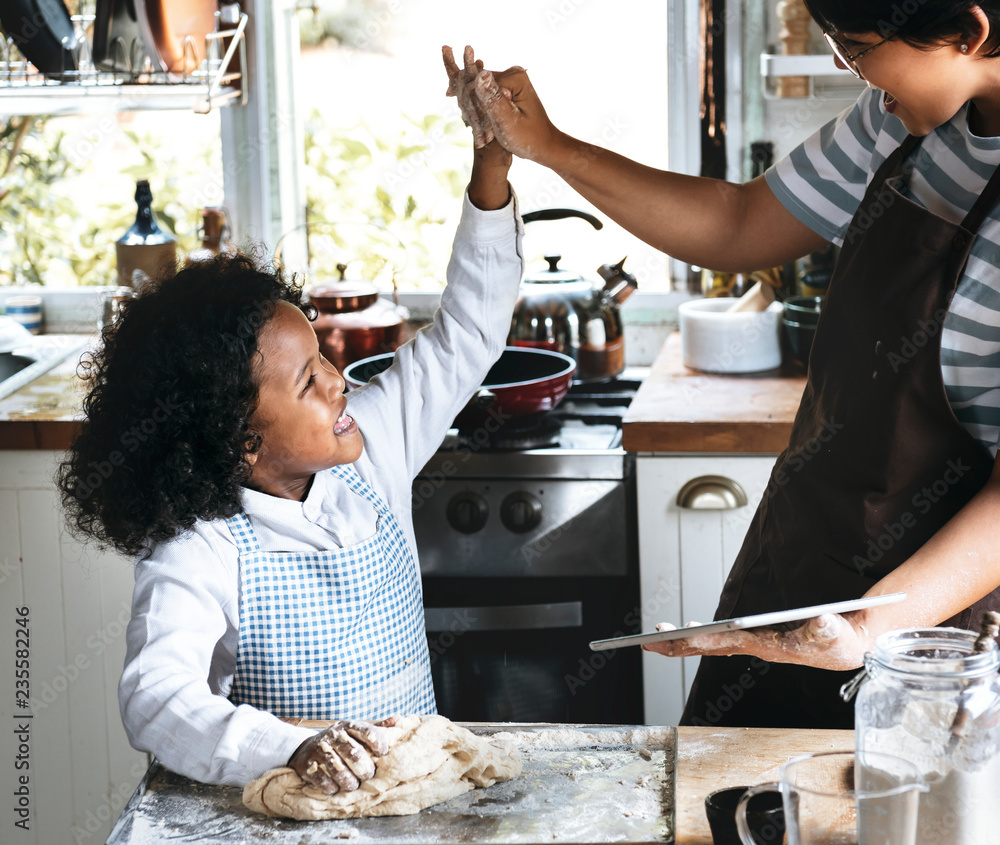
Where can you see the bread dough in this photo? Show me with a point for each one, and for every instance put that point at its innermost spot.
(430, 760)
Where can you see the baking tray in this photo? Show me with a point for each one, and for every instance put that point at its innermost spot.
(580, 784)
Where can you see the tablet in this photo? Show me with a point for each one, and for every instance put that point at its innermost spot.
(760, 620)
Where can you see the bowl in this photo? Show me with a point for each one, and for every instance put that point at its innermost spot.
(715, 340)
(800, 339)
(803, 309)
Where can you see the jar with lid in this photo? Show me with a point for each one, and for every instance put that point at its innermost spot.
(214, 231)
(933, 699)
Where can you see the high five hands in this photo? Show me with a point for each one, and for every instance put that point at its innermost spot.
(501, 105)
(461, 84)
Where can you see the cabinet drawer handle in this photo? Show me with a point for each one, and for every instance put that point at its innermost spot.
(711, 493)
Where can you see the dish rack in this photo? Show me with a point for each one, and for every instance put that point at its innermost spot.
(24, 90)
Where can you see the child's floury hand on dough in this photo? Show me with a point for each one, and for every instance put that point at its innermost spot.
(340, 757)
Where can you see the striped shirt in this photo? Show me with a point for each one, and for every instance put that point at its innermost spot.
(822, 183)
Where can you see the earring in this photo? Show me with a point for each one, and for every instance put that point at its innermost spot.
(964, 48)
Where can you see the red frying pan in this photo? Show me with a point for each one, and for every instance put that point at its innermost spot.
(522, 383)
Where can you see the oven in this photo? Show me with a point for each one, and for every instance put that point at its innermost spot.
(527, 534)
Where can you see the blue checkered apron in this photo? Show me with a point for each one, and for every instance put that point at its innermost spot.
(335, 634)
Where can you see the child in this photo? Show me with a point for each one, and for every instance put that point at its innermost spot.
(276, 570)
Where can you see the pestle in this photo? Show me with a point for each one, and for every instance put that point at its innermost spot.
(989, 628)
(758, 298)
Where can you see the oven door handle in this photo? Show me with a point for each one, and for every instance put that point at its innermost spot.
(517, 617)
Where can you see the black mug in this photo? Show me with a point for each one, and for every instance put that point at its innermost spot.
(764, 812)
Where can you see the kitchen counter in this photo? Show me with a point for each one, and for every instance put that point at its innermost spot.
(682, 410)
(716, 758)
(676, 409)
(706, 759)
(46, 413)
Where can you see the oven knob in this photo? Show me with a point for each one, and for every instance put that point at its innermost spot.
(467, 512)
(520, 512)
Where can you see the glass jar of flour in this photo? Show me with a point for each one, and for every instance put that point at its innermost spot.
(932, 699)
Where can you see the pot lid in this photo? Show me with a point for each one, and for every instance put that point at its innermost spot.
(381, 314)
(345, 295)
(554, 273)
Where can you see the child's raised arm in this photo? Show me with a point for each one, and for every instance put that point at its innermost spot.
(488, 188)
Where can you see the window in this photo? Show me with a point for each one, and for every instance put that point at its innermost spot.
(68, 192)
(67, 183)
(380, 140)
(371, 84)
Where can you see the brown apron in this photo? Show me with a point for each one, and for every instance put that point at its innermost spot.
(877, 461)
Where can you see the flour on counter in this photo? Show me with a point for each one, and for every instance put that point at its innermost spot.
(563, 737)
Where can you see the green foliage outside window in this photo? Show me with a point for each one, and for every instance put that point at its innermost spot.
(407, 179)
(60, 216)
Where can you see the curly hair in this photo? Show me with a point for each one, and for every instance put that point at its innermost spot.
(919, 23)
(166, 431)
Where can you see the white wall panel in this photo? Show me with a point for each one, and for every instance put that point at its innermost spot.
(82, 769)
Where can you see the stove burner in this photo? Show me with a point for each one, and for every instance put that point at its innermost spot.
(531, 433)
(588, 419)
(619, 391)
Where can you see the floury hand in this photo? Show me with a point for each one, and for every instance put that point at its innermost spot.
(341, 757)
(461, 82)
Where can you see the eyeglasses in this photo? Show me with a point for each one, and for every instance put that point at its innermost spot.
(849, 61)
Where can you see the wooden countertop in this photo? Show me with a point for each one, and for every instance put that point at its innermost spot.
(675, 410)
(46, 413)
(715, 758)
(682, 410)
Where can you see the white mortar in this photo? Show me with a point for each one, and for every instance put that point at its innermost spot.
(716, 341)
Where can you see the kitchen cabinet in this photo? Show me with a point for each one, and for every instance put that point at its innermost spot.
(685, 554)
(705, 447)
(65, 607)
(76, 602)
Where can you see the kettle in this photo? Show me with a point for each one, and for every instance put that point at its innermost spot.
(563, 312)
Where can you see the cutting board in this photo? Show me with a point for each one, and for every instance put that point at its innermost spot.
(716, 758)
(580, 784)
(681, 410)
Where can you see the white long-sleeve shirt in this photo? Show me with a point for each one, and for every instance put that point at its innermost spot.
(182, 638)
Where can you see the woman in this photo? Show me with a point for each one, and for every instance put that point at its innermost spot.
(903, 495)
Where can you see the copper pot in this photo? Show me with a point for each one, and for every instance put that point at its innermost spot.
(354, 323)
